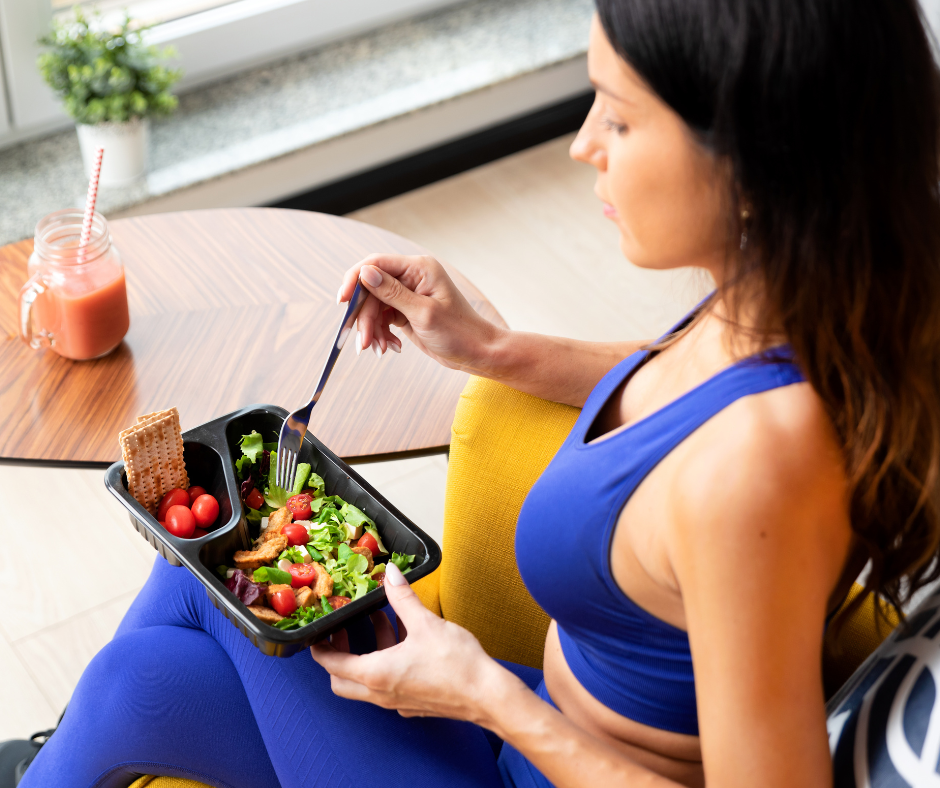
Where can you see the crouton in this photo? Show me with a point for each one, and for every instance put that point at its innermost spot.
(368, 554)
(276, 522)
(323, 586)
(265, 614)
(305, 596)
(265, 553)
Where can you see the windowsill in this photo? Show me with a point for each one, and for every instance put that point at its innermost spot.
(272, 132)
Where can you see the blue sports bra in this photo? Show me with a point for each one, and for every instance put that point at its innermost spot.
(631, 661)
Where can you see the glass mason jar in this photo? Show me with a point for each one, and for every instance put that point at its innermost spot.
(76, 299)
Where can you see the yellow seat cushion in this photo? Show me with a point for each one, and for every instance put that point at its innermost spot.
(166, 782)
(848, 642)
(501, 442)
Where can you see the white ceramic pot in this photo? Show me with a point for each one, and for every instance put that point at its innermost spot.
(125, 150)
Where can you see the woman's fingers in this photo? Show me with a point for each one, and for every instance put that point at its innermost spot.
(391, 291)
(410, 610)
(409, 268)
(340, 641)
(384, 631)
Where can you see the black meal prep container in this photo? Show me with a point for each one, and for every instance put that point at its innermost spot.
(210, 451)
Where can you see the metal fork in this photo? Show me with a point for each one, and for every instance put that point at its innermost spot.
(295, 426)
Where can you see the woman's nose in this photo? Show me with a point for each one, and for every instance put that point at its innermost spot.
(586, 149)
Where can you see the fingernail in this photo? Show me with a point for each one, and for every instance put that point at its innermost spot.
(395, 346)
(370, 275)
(393, 575)
(358, 342)
(376, 348)
(339, 295)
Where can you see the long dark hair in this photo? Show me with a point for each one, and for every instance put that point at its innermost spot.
(828, 112)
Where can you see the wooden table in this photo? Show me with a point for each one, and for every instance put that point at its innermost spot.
(228, 308)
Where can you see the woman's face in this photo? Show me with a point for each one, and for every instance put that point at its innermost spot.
(667, 195)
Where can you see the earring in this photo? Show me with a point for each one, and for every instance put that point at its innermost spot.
(745, 215)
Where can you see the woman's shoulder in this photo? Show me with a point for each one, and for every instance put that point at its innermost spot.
(769, 466)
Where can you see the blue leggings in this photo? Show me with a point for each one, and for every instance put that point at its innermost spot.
(180, 692)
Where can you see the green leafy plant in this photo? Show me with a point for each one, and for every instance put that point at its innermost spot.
(107, 76)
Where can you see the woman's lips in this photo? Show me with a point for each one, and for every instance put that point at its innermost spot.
(609, 211)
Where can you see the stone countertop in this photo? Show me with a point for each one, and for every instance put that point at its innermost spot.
(329, 92)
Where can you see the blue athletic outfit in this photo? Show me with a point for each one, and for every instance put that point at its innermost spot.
(179, 691)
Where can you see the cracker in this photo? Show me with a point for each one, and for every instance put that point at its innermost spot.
(153, 457)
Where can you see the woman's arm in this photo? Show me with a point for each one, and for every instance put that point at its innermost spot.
(416, 294)
(440, 670)
(759, 538)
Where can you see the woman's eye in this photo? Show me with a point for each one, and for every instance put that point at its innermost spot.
(612, 125)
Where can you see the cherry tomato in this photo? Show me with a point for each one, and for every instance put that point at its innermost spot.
(368, 540)
(284, 602)
(180, 521)
(255, 499)
(175, 497)
(379, 578)
(302, 575)
(199, 532)
(337, 602)
(194, 493)
(299, 506)
(296, 534)
(205, 510)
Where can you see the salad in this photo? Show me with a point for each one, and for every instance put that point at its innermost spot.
(315, 552)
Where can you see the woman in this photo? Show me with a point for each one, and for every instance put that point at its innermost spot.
(732, 480)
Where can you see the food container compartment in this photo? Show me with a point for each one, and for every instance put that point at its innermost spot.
(212, 449)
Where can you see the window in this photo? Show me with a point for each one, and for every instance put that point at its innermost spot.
(214, 38)
(150, 12)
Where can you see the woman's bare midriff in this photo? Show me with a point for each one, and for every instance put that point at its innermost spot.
(673, 755)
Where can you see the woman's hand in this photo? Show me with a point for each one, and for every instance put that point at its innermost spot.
(416, 294)
(438, 670)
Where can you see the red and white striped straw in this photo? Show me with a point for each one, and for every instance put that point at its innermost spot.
(90, 204)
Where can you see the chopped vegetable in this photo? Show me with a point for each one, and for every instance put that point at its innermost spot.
(300, 477)
(270, 574)
(251, 446)
(402, 561)
(374, 532)
(247, 591)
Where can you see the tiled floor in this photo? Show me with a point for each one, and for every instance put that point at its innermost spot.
(527, 230)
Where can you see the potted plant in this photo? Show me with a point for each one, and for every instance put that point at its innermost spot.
(111, 83)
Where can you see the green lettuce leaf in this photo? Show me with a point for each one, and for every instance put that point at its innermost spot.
(355, 517)
(254, 517)
(300, 618)
(292, 554)
(329, 513)
(326, 538)
(357, 564)
(324, 603)
(376, 569)
(402, 561)
(300, 477)
(251, 445)
(243, 466)
(269, 574)
(316, 483)
(276, 497)
(221, 570)
(272, 446)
